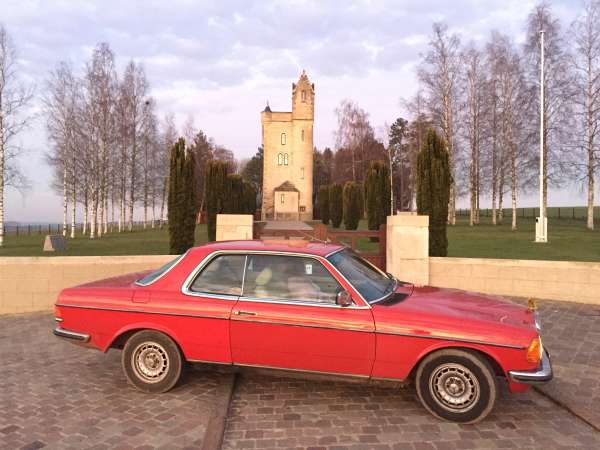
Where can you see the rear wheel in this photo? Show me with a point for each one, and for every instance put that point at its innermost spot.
(152, 361)
(457, 385)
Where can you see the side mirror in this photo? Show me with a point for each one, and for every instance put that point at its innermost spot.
(344, 299)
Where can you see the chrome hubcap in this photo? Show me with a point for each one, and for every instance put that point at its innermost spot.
(150, 362)
(454, 388)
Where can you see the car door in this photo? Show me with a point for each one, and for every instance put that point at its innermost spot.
(287, 318)
(203, 307)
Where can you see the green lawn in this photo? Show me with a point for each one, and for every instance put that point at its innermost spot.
(568, 241)
(137, 242)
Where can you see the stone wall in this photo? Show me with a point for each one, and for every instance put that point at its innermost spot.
(551, 280)
(33, 284)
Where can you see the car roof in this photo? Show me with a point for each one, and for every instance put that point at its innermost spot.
(273, 245)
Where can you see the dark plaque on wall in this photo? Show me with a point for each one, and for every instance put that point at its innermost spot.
(55, 242)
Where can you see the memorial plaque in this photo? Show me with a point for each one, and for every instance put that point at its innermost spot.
(55, 242)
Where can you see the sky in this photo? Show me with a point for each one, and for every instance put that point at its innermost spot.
(221, 61)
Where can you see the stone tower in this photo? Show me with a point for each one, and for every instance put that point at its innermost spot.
(288, 156)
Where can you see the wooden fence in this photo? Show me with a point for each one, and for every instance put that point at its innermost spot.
(321, 233)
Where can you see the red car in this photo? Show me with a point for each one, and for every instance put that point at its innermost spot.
(307, 307)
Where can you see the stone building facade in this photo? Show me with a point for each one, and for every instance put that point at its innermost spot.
(288, 156)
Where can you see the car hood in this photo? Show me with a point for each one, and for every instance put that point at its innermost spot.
(437, 312)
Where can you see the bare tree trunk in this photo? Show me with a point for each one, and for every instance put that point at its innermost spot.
(162, 203)
(65, 197)
(501, 192)
(1, 175)
(73, 192)
(85, 209)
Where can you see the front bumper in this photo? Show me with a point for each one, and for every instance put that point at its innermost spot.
(541, 375)
(71, 335)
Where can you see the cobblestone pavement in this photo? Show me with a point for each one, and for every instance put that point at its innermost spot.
(571, 332)
(287, 413)
(56, 395)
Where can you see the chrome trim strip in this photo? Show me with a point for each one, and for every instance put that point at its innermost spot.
(298, 303)
(144, 312)
(541, 375)
(303, 370)
(244, 275)
(272, 322)
(466, 341)
(185, 288)
(209, 362)
(71, 335)
(398, 380)
(164, 273)
(58, 319)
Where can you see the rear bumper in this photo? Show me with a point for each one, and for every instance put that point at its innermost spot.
(541, 375)
(71, 335)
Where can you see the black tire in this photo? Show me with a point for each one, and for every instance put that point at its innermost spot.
(457, 385)
(152, 361)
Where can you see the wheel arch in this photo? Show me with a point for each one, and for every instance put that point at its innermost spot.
(484, 352)
(123, 335)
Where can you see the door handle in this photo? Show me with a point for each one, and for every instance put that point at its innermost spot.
(246, 313)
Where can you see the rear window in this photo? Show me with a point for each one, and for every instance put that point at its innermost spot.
(151, 278)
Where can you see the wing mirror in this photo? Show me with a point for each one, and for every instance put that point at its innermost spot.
(344, 298)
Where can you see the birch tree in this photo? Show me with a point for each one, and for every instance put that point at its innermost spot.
(136, 89)
(582, 139)
(14, 97)
(168, 140)
(516, 99)
(60, 103)
(354, 134)
(474, 83)
(439, 76)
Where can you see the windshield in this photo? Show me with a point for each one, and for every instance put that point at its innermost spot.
(149, 279)
(369, 281)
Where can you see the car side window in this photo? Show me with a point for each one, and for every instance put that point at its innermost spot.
(289, 278)
(223, 275)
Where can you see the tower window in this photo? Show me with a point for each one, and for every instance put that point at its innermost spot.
(302, 173)
(282, 138)
(303, 96)
(282, 198)
(286, 159)
(302, 135)
(280, 159)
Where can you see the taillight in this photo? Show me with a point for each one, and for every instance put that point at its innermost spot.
(534, 351)
(57, 314)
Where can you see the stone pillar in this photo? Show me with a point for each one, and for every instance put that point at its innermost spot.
(233, 227)
(407, 252)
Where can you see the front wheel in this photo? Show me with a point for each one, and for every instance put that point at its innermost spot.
(152, 361)
(457, 385)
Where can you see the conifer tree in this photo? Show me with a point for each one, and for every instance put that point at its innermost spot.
(324, 204)
(175, 198)
(433, 190)
(249, 198)
(215, 186)
(182, 199)
(190, 201)
(336, 205)
(352, 204)
(234, 194)
(377, 194)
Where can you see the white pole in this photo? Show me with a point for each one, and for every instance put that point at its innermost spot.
(541, 225)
